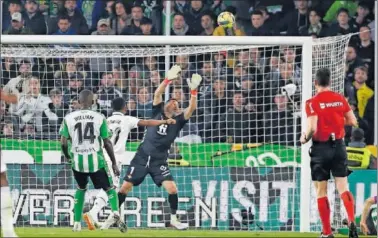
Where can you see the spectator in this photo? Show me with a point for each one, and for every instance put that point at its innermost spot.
(269, 19)
(255, 59)
(361, 18)
(28, 131)
(136, 18)
(211, 108)
(218, 7)
(135, 75)
(273, 66)
(315, 26)
(290, 56)
(109, 9)
(150, 63)
(370, 118)
(74, 104)
(252, 93)
(238, 125)
(15, 86)
(119, 77)
(193, 16)
(372, 29)
(92, 11)
(243, 17)
(360, 157)
(179, 27)
(220, 62)
(17, 26)
(79, 23)
(8, 129)
(258, 26)
(51, 8)
(146, 27)
(207, 73)
(8, 70)
(103, 28)
(75, 85)
(131, 108)
(295, 19)
(240, 71)
(121, 19)
(207, 24)
(144, 103)
(32, 104)
(181, 6)
(60, 79)
(159, 16)
(13, 7)
(332, 12)
(359, 91)
(279, 123)
(155, 79)
(3, 110)
(342, 26)
(365, 51)
(34, 19)
(187, 68)
(57, 107)
(353, 61)
(107, 93)
(64, 27)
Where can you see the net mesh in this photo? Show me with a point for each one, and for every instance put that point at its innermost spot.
(236, 162)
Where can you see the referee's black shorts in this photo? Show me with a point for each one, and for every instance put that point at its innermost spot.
(327, 157)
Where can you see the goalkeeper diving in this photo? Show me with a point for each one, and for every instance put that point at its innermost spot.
(120, 127)
(151, 156)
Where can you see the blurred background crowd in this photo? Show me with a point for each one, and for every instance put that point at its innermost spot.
(247, 96)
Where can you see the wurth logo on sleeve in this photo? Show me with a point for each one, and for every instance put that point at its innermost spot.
(330, 104)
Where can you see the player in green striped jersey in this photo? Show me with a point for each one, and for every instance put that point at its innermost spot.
(87, 131)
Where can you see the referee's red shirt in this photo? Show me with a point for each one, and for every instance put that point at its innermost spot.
(330, 107)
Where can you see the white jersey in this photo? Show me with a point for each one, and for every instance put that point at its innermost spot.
(120, 126)
(86, 129)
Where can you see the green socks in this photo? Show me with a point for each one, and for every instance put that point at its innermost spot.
(113, 199)
(79, 204)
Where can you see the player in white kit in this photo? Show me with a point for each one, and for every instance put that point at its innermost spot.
(6, 199)
(120, 127)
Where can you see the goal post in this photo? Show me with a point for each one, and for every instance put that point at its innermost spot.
(298, 207)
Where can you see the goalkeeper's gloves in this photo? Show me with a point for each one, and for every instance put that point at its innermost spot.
(193, 83)
(173, 74)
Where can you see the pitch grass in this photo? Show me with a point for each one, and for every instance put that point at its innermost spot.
(67, 232)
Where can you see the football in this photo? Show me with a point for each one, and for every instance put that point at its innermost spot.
(226, 19)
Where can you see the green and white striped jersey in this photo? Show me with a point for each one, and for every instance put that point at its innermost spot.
(86, 129)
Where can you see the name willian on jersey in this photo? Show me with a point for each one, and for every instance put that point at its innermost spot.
(84, 117)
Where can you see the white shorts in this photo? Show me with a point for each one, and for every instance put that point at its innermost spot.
(3, 166)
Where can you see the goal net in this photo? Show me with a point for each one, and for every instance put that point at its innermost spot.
(237, 162)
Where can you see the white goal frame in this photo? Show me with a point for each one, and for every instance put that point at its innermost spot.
(305, 42)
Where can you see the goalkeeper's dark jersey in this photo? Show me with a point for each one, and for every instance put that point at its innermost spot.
(157, 140)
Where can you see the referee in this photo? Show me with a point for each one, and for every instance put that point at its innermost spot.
(327, 114)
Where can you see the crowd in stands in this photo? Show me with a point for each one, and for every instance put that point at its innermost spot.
(241, 98)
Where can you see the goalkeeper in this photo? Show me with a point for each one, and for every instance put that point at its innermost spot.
(151, 156)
